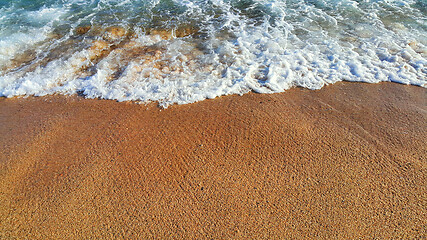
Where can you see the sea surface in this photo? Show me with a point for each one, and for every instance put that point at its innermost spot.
(183, 51)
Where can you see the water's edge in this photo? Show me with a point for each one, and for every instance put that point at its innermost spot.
(142, 51)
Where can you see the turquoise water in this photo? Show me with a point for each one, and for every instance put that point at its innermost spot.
(187, 51)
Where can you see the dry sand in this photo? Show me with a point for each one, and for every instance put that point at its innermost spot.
(345, 162)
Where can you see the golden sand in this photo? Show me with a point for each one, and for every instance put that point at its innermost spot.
(345, 162)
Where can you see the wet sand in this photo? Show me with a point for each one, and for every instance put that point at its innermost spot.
(344, 162)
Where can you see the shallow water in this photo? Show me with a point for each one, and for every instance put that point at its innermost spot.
(187, 51)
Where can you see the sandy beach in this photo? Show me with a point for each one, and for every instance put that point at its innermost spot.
(344, 162)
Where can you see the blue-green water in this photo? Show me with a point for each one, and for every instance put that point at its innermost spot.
(186, 51)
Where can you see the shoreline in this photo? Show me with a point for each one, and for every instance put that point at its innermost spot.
(346, 161)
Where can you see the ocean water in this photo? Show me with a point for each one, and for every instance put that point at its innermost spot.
(183, 51)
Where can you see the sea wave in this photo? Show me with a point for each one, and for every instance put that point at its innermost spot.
(187, 51)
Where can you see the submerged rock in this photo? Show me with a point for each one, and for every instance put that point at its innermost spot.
(120, 48)
(114, 33)
(83, 30)
(167, 34)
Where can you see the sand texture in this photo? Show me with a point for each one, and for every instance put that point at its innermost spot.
(344, 162)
